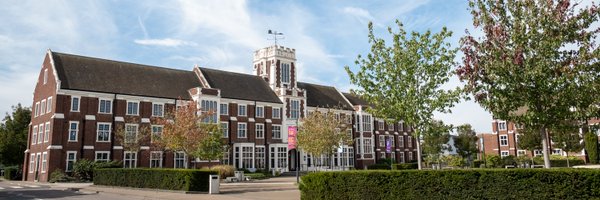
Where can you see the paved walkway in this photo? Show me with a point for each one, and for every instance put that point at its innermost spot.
(273, 188)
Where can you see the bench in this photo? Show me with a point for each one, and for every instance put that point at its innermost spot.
(231, 179)
(509, 166)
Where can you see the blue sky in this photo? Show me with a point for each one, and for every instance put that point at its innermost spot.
(327, 36)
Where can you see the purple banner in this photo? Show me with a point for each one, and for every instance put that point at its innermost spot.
(388, 146)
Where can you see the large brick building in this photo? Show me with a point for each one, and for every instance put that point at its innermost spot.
(79, 102)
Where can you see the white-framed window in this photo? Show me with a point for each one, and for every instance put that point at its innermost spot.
(504, 140)
(282, 157)
(381, 125)
(502, 126)
(103, 132)
(133, 107)
(368, 145)
(225, 129)
(40, 138)
(43, 107)
(556, 152)
(34, 134)
(45, 76)
(37, 109)
(259, 157)
(102, 156)
(382, 140)
(47, 132)
(158, 109)
(180, 160)
(400, 126)
(31, 162)
(105, 106)
(382, 155)
(241, 132)
(503, 154)
(519, 126)
(71, 158)
(520, 152)
(392, 141)
(276, 129)
(409, 141)
(401, 141)
(260, 112)
(44, 162)
(294, 109)
(358, 143)
(401, 157)
(129, 159)
(225, 160)
(537, 152)
(410, 156)
(285, 72)
(75, 104)
(157, 131)
(156, 158)
(224, 109)
(73, 131)
(209, 107)
(247, 154)
(260, 130)
(131, 131)
(348, 118)
(242, 110)
(276, 113)
(49, 105)
(366, 123)
(390, 127)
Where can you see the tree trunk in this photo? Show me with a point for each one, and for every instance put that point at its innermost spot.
(418, 150)
(568, 159)
(545, 147)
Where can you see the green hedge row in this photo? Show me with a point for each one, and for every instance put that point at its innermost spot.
(378, 166)
(158, 178)
(453, 184)
(12, 173)
(404, 166)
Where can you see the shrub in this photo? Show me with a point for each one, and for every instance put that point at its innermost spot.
(84, 169)
(256, 175)
(453, 184)
(477, 163)
(559, 161)
(386, 161)
(493, 161)
(58, 175)
(379, 166)
(590, 141)
(158, 178)
(405, 166)
(509, 160)
(224, 170)
(12, 173)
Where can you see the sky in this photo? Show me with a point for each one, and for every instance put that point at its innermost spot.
(327, 36)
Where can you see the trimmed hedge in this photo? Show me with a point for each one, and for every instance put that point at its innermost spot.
(378, 166)
(405, 166)
(12, 173)
(453, 184)
(157, 178)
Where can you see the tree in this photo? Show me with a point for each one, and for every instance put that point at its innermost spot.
(535, 61)
(132, 138)
(403, 81)
(322, 134)
(466, 142)
(192, 133)
(13, 135)
(435, 140)
(529, 139)
(566, 137)
(591, 147)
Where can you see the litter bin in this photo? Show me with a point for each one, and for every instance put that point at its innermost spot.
(214, 183)
(239, 175)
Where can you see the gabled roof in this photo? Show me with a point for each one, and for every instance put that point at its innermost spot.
(240, 86)
(324, 96)
(100, 75)
(356, 100)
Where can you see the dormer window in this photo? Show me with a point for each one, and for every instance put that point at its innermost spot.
(285, 73)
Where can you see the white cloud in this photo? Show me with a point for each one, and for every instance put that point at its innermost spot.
(167, 42)
(358, 12)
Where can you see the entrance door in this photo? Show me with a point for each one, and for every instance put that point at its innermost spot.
(37, 167)
(292, 159)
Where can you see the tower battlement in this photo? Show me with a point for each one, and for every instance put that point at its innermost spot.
(275, 51)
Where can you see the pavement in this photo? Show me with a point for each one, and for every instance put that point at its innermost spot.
(273, 188)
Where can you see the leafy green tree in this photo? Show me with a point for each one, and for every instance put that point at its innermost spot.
(591, 147)
(435, 140)
(529, 139)
(566, 137)
(466, 142)
(535, 61)
(403, 81)
(13, 135)
(320, 133)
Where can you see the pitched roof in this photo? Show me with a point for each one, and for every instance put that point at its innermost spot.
(355, 100)
(324, 96)
(240, 86)
(100, 75)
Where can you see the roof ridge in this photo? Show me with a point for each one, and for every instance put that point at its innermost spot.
(317, 84)
(219, 70)
(118, 61)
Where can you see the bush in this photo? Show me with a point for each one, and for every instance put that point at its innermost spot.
(158, 178)
(224, 170)
(405, 166)
(509, 160)
(256, 175)
(12, 173)
(493, 161)
(453, 184)
(58, 175)
(378, 166)
(559, 161)
(478, 163)
(84, 169)
(590, 141)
